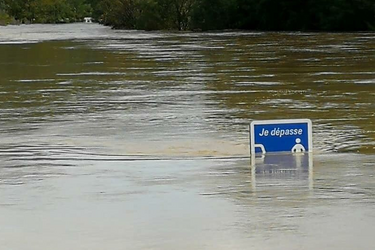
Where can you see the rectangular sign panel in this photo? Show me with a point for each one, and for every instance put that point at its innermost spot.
(273, 136)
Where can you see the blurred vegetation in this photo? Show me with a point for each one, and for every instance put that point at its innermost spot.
(276, 15)
(46, 11)
(4, 17)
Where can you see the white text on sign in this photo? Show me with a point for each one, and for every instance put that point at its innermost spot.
(280, 132)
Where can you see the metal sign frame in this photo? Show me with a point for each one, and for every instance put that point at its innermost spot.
(282, 122)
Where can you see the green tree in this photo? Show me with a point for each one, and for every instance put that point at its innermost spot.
(79, 8)
(181, 10)
(2, 5)
(215, 15)
(297, 15)
(18, 9)
(4, 17)
(50, 11)
(246, 15)
(96, 12)
(344, 15)
(149, 15)
(119, 13)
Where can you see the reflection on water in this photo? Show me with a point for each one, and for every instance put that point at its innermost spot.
(295, 166)
(130, 85)
(139, 140)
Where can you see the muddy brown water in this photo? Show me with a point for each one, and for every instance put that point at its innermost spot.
(139, 140)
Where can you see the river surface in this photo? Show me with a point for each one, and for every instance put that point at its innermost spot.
(139, 140)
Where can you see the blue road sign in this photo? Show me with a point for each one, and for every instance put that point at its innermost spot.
(274, 136)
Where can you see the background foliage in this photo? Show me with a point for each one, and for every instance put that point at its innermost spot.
(46, 11)
(287, 15)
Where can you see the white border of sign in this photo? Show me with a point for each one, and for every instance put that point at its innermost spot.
(283, 121)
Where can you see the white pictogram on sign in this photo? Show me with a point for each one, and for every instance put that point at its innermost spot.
(298, 148)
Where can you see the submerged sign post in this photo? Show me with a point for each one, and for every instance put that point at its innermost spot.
(277, 136)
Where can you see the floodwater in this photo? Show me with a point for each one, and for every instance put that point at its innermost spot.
(139, 140)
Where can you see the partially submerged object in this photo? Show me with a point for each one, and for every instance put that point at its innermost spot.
(281, 136)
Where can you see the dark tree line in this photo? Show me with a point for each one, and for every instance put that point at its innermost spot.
(277, 15)
(288, 15)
